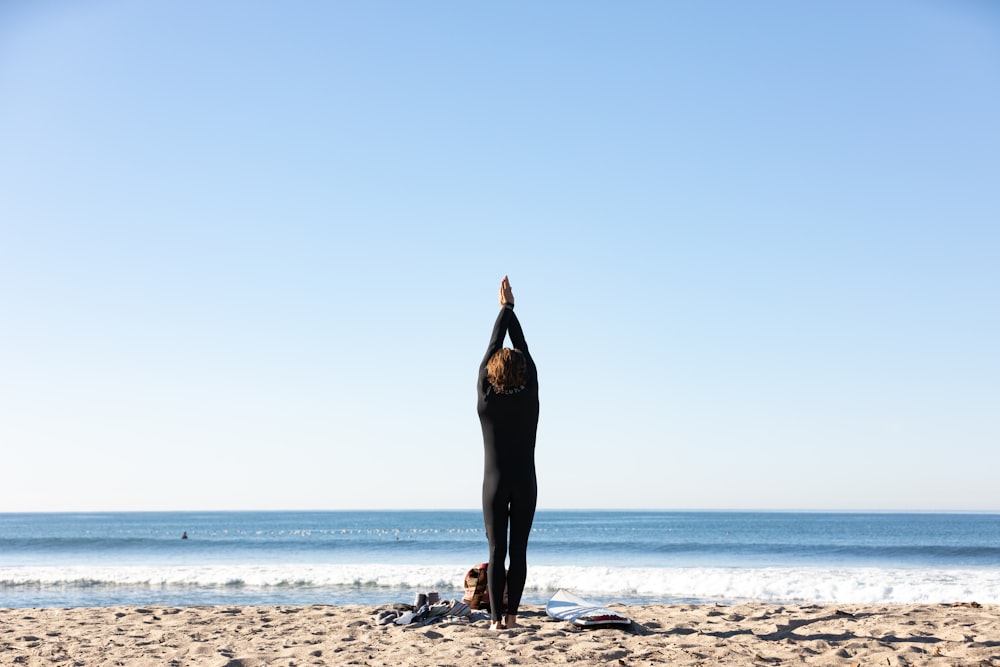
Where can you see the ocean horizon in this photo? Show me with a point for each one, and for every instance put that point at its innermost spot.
(72, 559)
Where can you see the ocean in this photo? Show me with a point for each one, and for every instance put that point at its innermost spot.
(380, 557)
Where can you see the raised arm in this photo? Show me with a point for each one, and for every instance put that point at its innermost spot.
(499, 333)
(507, 323)
(516, 334)
(513, 325)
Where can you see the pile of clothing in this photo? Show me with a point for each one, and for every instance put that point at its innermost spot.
(426, 609)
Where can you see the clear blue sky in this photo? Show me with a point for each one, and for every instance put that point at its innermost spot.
(250, 251)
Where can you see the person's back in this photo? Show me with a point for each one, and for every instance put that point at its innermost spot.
(509, 422)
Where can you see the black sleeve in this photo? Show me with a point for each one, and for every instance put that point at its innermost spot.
(499, 333)
(507, 322)
(516, 335)
(517, 338)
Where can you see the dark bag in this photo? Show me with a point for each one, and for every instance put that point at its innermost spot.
(477, 594)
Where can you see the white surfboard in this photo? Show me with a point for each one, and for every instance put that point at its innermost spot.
(568, 607)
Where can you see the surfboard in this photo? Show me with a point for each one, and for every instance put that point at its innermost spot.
(568, 607)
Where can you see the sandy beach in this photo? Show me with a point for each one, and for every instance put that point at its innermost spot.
(744, 634)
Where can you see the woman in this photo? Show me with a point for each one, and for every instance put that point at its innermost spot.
(508, 412)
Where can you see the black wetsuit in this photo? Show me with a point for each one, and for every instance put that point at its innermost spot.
(509, 422)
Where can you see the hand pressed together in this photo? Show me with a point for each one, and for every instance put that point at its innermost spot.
(506, 295)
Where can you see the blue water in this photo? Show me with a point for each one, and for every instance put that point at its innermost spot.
(380, 557)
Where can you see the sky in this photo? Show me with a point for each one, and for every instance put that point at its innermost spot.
(250, 251)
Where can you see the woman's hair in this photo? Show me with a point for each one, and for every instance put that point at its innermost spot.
(507, 370)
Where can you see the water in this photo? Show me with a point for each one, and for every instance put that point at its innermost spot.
(371, 558)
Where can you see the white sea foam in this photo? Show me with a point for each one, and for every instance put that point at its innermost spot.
(778, 584)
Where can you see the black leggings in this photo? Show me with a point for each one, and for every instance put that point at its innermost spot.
(516, 505)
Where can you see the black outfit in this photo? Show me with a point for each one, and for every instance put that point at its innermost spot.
(509, 420)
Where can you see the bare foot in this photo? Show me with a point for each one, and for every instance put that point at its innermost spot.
(512, 621)
(497, 626)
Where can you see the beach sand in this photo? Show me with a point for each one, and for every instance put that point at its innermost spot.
(742, 634)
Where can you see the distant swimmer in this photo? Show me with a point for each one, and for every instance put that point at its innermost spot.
(184, 536)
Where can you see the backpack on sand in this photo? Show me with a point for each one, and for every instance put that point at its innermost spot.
(477, 594)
